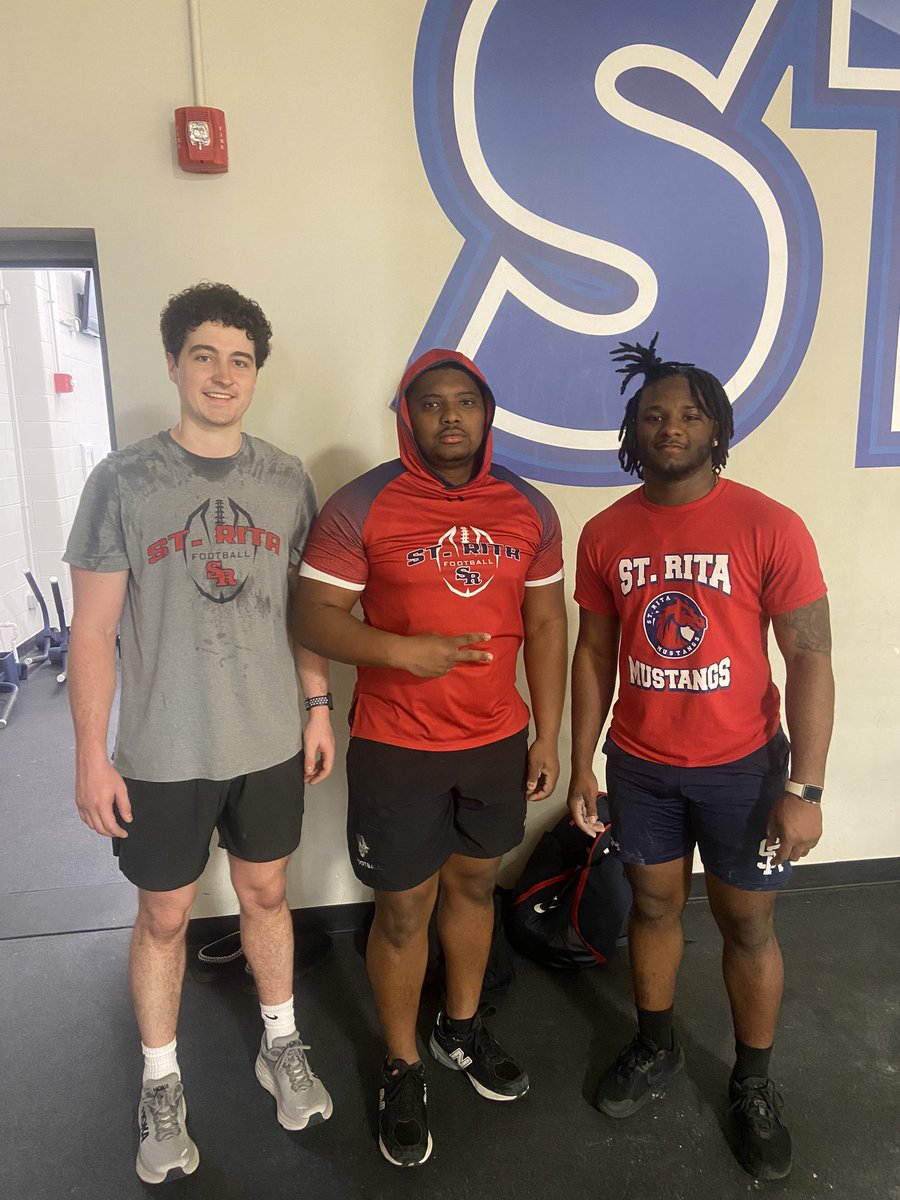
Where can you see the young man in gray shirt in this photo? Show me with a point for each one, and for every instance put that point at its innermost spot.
(189, 541)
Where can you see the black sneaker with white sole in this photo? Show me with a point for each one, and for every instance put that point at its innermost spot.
(403, 1136)
(763, 1142)
(491, 1071)
(640, 1071)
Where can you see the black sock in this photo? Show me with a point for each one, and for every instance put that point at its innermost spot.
(656, 1027)
(751, 1061)
(459, 1028)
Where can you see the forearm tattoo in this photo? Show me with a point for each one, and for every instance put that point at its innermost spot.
(811, 626)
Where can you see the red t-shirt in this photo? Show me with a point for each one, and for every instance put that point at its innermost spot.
(694, 586)
(430, 558)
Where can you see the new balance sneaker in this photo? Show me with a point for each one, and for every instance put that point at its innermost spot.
(165, 1151)
(763, 1142)
(403, 1136)
(491, 1071)
(640, 1071)
(284, 1071)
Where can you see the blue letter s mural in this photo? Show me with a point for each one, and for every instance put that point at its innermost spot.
(608, 183)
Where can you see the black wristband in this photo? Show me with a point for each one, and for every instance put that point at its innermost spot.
(319, 702)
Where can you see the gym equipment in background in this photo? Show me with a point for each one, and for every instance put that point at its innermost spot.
(50, 645)
(11, 671)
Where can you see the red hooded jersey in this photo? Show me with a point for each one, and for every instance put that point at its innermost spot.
(430, 557)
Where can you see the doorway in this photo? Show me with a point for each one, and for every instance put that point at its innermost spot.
(55, 411)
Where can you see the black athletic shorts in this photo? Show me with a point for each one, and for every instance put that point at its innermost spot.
(409, 810)
(258, 817)
(659, 813)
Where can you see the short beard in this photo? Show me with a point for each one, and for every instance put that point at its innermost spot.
(675, 472)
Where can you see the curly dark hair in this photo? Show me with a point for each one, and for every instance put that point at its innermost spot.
(216, 302)
(706, 390)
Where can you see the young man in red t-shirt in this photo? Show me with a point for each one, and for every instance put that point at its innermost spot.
(433, 545)
(677, 584)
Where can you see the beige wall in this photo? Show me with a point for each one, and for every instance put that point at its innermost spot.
(327, 219)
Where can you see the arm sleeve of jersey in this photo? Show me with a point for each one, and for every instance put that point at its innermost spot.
(97, 539)
(547, 564)
(793, 577)
(591, 589)
(335, 553)
(306, 515)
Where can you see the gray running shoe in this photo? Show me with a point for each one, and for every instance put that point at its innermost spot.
(285, 1073)
(165, 1151)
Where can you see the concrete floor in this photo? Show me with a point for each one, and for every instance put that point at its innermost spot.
(70, 1061)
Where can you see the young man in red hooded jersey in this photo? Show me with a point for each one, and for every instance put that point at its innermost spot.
(456, 562)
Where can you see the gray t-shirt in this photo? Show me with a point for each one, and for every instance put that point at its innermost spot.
(209, 689)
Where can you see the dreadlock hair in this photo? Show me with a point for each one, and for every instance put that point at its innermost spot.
(707, 392)
(221, 304)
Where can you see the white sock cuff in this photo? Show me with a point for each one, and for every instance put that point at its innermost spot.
(278, 1011)
(278, 1020)
(160, 1061)
(161, 1050)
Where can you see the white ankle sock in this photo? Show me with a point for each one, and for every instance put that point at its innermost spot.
(160, 1061)
(278, 1020)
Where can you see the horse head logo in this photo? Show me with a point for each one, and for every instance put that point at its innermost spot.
(674, 624)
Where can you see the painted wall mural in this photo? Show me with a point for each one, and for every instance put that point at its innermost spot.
(608, 165)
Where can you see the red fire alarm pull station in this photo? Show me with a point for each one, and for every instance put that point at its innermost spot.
(200, 130)
(63, 384)
(201, 141)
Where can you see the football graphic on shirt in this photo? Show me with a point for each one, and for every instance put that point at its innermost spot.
(217, 553)
(467, 559)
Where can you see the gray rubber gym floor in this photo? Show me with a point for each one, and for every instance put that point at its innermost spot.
(70, 1064)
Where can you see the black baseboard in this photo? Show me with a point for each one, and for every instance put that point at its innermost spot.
(348, 918)
(308, 922)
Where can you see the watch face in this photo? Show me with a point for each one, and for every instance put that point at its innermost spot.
(812, 793)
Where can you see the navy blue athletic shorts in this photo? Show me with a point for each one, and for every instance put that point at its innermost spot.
(409, 810)
(659, 813)
(258, 817)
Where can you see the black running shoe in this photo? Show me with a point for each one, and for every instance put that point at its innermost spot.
(403, 1136)
(640, 1071)
(763, 1143)
(490, 1069)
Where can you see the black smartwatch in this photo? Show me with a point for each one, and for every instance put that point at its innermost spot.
(320, 702)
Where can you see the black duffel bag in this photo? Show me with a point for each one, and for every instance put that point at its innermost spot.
(569, 907)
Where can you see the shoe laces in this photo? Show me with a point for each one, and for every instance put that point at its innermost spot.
(162, 1101)
(638, 1054)
(486, 1047)
(759, 1103)
(481, 1045)
(293, 1062)
(406, 1094)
